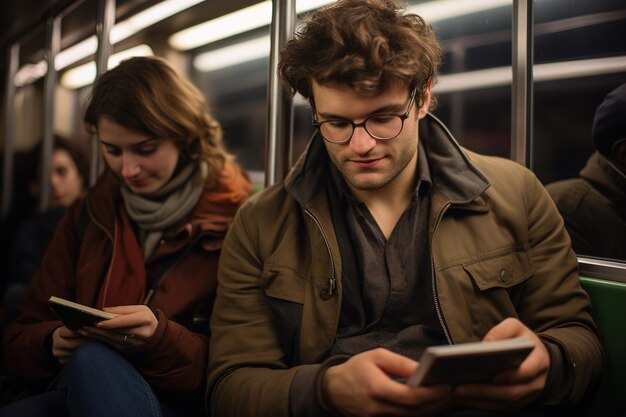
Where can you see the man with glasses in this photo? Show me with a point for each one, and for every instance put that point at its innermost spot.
(385, 238)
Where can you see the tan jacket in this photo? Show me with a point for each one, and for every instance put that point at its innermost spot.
(499, 250)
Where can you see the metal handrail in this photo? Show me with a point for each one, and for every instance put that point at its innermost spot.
(280, 104)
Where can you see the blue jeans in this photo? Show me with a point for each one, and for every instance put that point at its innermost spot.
(97, 382)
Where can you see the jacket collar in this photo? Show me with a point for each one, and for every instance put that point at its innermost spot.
(453, 175)
(606, 178)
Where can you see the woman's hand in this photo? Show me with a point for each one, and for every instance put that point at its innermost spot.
(64, 342)
(131, 328)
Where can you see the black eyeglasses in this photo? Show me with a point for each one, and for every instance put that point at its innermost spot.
(378, 126)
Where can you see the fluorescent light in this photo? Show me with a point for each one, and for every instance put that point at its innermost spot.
(149, 17)
(445, 9)
(471, 80)
(123, 30)
(119, 32)
(223, 27)
(494, 77)
(303, 6)
(76, 52)
(85, 74)
(581, 68)
(233, 55)
(29, 73)
(241, 21)
(260, 15)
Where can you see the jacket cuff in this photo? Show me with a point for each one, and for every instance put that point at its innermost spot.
(554, 389)
(307, 402)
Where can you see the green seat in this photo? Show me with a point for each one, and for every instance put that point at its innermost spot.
(608, 300)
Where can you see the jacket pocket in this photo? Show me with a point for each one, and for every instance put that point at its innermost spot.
(284, 293)
(283, 283)
(500, 271)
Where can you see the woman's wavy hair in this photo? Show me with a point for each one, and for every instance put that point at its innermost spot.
(148, 95)
(368, 45)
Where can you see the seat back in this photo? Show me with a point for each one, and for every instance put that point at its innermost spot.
(608, 300)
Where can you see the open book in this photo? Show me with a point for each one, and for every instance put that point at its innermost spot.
(469, 362)
(76, 316)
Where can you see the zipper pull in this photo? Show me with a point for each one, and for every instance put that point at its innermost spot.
(326, 293)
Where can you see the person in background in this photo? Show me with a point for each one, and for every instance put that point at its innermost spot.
(387, 237)
(143, 244)
(594, 205)
(68, 174)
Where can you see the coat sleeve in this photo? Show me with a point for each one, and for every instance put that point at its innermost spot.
(558, 310)
(25, 348)
(174, 358)
(247, 372)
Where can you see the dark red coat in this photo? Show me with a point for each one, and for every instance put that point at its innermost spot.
(77, 264)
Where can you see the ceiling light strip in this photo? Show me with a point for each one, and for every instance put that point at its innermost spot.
(494, 77)
(231, 24)
(85, 74)
(233, 55)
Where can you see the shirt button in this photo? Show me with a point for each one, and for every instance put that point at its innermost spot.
(504, 275)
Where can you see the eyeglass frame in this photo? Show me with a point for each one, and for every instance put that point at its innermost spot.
(362, 124)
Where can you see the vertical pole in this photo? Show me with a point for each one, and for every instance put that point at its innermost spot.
(53, 43)
(457, 99)
(9, 130)
(522, 87)
(280, 109)
(106, 20)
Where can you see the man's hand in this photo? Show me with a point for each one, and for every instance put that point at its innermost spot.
(362, 387)
(514, 389)
(64, 342)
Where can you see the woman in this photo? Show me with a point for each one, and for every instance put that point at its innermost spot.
(144, 245)
(67, 182)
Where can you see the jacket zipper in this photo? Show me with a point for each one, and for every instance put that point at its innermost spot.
(92, 219)
(113, 245)
(434, 285)
(332, 282)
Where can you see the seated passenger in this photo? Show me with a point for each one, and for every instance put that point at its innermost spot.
(68, 173)
(594, 205)
(143, 244)
(388, 237)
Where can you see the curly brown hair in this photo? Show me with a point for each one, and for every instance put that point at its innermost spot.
(367, 45)
(148, 95)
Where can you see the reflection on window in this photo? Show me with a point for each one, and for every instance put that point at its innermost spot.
(474, 93)
(588, 39)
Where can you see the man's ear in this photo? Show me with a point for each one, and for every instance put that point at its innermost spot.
(426, 103)
(618, 153)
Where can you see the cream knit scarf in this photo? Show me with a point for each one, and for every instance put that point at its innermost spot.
(165, 207)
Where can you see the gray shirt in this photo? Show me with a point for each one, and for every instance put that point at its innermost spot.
(390, 292)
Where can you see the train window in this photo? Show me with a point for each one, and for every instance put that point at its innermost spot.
(75, 37)
(28, 100)
(477, 109)
(238, 96)
(28, 126)
(237, 85)
(474, 93)
(580, 56)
